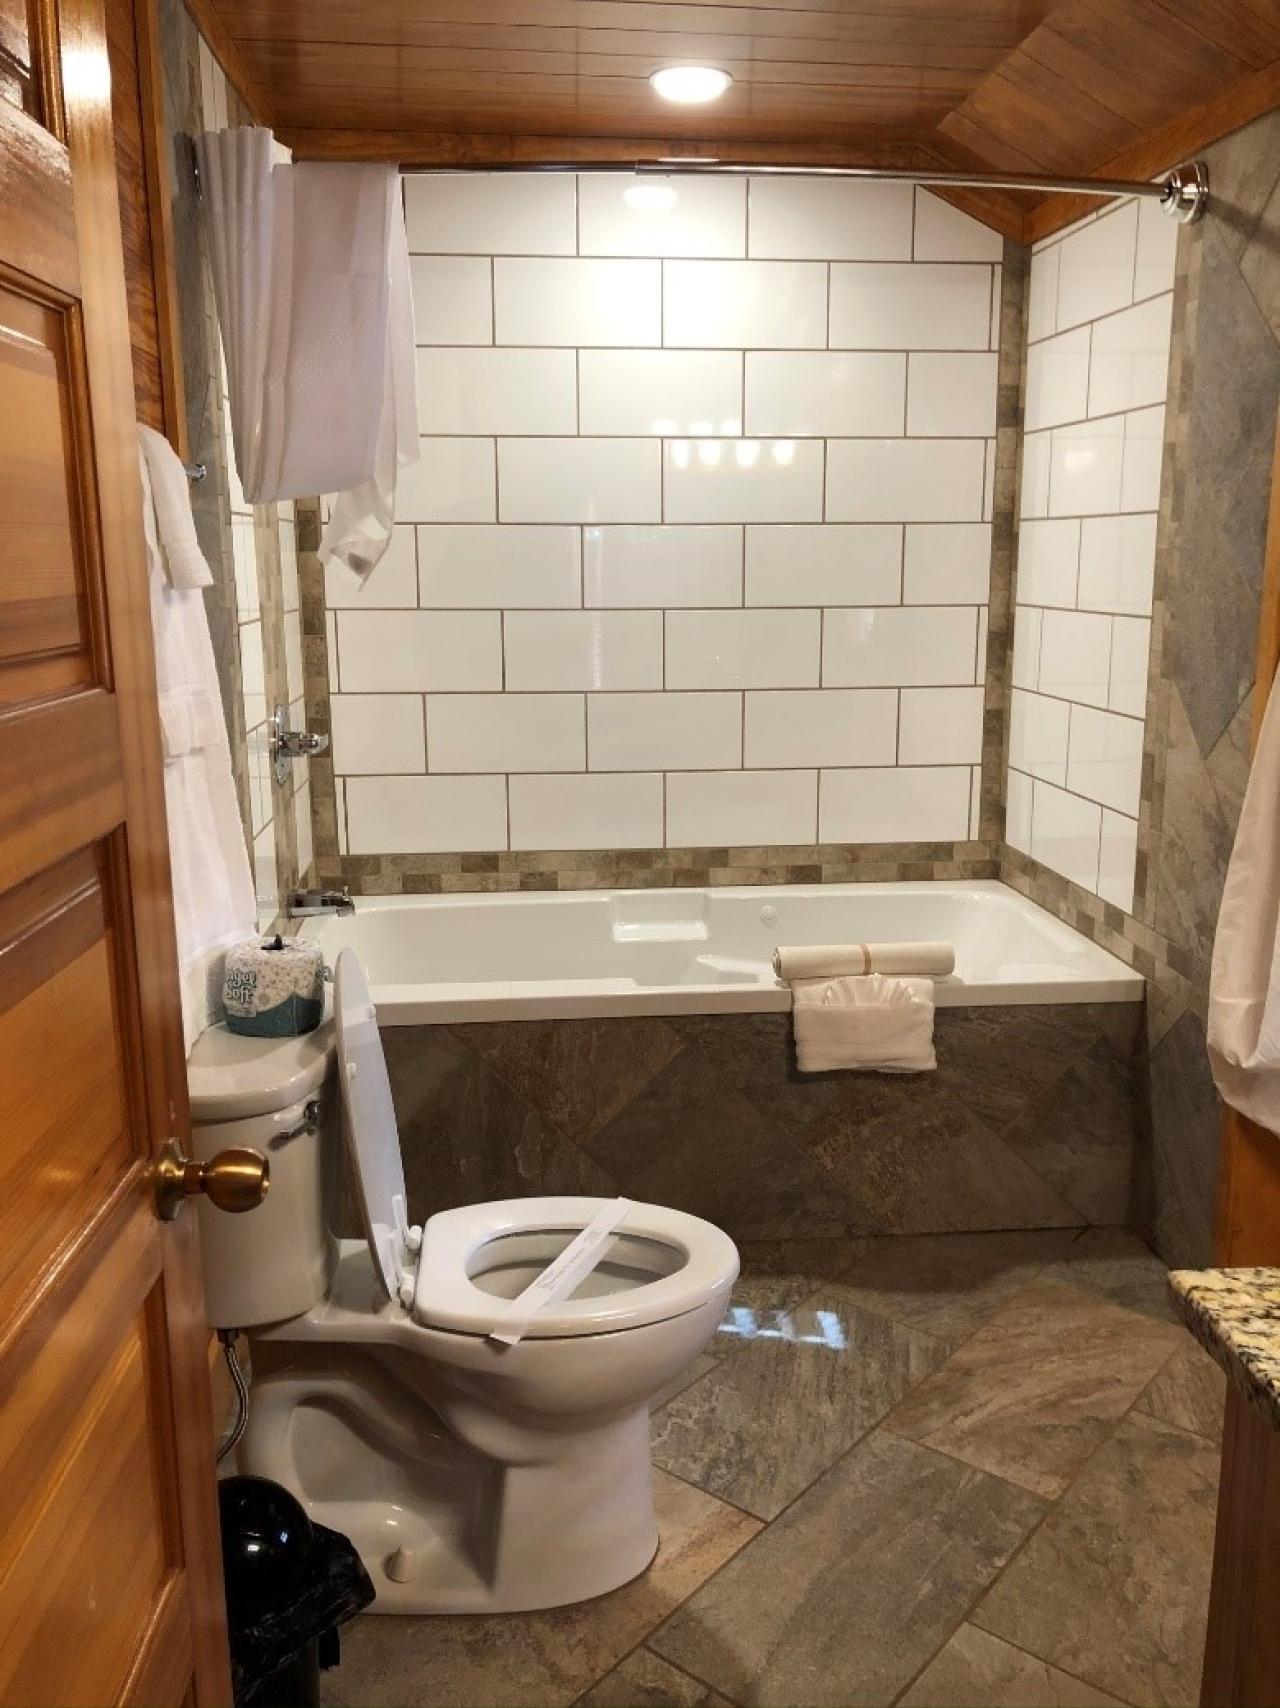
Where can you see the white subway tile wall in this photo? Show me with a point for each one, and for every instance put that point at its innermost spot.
(1098, 327)
(698, 551)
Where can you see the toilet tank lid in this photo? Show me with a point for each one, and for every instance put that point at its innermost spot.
(230, 1077)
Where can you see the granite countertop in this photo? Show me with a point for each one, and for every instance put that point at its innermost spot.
(1235, 1315)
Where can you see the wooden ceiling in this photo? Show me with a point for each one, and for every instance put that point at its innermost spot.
(1059, 86)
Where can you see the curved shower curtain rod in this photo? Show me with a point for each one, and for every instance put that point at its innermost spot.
(1182, 193)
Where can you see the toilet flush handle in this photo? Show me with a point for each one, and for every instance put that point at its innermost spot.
(234, 1180)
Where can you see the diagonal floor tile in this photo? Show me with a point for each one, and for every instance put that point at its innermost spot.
(1039, 1387)
(975, 1667)
(537, 1660)
(1121, 1267)
(1190, 1392)
(1114, 1586)
(795, 1392)
(781, 1272)
(645, 1680)
(948, 1284)
(842, 1599)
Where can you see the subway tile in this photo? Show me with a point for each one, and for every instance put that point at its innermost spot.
(375, 733)
(293, 683)
(742, 649)
(946, 563)
(1017, 812)
(899, 646)
(904, 480)
(1027, 623)
(1042, 293)
(1143, 455)
(1075, 656)
(918, 306)
(672, 216)
(820, 726)
(497, 391)
(843, 563)
(741, 808)
(1037, 451)
(1129, 359)
(452, 481)
(289, 590)
(391, 583)
(1118, 856)
(1065, 833)
(1095, 267)
(913, 803)
(1117, 564)
(662, 566)
(505, 567)
(817, 392)
(663, 392)
(1130, 648)
(580, 480)
(266, 881)
(1085, 468)
(244, 560)
(302, 829)
(452, 298)
(743, 480)
(426, 815)
(734, 305)
(1104, 760)
(253, 679)
(1057, 387)
(390, 651)
(1048, 561)
(829, 220)
(951, 394)
(480, 213)
(940, 726)
(594, 810)
(1038, 733)
(664, 732)
(548, 650)
(1157, 251)
(577, 302)
(944, 233)
(505, 732)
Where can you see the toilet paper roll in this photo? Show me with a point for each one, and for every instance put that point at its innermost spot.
(273, 987)
(844, 960)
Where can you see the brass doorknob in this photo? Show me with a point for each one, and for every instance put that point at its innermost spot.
(234, 1180)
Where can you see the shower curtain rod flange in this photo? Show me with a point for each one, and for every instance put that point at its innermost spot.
(1182, 193)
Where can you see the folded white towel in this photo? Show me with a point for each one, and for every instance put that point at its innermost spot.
(879, 1024)
(183, 561)
(836, 960)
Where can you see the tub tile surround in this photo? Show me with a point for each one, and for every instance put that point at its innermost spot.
(735, 461)
(1099, 317)
(1014, 1541)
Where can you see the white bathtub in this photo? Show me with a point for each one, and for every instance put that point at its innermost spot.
(615, 952)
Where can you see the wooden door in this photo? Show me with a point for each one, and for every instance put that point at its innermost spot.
(110, 1586)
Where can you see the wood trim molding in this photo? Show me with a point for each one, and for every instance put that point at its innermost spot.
(226, 50)
(155, 159)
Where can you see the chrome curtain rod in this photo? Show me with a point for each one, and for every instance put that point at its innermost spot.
(1182, 193)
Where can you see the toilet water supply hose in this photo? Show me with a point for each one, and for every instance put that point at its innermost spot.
(227, 1338)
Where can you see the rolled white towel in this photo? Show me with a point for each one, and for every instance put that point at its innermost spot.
(843, 960)
(883, 1025)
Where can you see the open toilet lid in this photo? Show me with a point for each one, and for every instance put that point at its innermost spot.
(369, 1119)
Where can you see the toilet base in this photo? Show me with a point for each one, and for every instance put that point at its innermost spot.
(441, 1528)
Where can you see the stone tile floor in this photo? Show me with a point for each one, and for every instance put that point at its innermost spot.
(946, 1471)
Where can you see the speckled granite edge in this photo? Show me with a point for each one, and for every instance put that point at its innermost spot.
(1235, 1315)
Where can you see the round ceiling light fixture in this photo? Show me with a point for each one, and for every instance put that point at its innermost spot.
(690, 85)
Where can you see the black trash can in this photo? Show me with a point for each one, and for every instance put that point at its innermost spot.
(290, 1584)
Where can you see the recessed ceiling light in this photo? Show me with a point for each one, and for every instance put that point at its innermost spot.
(690, 84)
(650, 198)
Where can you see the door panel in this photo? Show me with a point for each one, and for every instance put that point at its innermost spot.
(109, 1570)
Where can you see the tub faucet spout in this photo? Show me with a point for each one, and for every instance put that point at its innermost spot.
(304, 903)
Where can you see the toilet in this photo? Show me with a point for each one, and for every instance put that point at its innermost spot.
(473, 1477)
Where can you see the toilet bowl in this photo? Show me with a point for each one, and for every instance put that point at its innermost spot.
(472, 1476)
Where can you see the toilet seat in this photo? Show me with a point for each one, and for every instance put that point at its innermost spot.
(446, 1297)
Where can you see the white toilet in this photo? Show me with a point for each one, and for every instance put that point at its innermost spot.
(473, 1477)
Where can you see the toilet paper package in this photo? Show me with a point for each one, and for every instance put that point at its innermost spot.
(273, 987)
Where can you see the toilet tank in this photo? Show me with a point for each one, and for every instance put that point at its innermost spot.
(277, 1096)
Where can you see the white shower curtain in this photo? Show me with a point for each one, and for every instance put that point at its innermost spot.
(304, 258)
(1244, 984)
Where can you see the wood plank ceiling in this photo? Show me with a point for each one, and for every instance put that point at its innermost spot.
(1057, 86)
